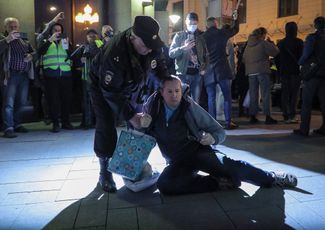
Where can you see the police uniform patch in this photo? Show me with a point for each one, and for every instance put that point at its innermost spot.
(108, 77)
(153, 64)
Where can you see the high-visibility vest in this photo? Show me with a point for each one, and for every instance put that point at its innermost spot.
(55, 58)
(86, 68)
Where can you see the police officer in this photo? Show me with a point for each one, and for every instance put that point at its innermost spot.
(117, 74)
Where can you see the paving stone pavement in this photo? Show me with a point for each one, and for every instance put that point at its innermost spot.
(49, 181)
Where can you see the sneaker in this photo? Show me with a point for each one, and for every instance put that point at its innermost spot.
(300, 133)
(319, 131)
(253, 120)
(270, 121)
(283, 179)
(9, 134)
(21, 129)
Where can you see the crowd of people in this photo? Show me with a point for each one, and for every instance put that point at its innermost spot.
(119, 71)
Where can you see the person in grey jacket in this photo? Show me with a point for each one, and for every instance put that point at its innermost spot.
(257, 64)
(185, 132)
(189, 51)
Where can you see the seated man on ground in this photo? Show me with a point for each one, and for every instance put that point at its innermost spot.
(184, 133)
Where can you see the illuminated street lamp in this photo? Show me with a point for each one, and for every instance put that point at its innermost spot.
(87, 16)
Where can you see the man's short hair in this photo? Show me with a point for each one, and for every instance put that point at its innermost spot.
(9, 20)
(169, 78)
(210, 21)
(192, 16)
(319, 23)
(259, 32)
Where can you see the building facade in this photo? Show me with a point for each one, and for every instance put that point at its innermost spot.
(271, 14)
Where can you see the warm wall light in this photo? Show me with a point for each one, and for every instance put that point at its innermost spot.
(87, 16)
(53, 8)
(174, 18)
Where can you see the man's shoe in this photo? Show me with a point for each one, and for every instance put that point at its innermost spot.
(56, 128)
(21, 129)
(253, 120)
(283, 179)
(319, 131)
(67, 126)
(231, 125)
(105, 177)
(300, 133)
(9, 134)
(270, 121)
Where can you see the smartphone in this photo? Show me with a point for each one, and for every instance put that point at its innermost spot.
(21, 35)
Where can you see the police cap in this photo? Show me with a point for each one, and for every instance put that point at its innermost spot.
(147, 29)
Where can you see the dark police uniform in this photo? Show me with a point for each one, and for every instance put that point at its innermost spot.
(118, 76)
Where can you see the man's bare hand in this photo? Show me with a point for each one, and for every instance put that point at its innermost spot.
(28, 58)
(54, 37)
(207, 139)
(13, 35)
(189, 44)
(58, 17)
(145, 120)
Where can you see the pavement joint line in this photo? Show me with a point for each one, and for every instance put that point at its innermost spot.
(36, 191)
(46, 158)
(13, 142)
(23, 182)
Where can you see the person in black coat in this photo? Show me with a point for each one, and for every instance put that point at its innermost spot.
(314, 48)
(287, 63)
(218, 71)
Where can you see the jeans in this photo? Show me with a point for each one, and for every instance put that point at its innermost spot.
(225, 86)
(195, 83)
(289, 96)
(181, 177)
(262, 80)
(15, 95)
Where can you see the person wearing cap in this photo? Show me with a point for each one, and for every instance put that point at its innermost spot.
(189, 51)
(118, 73)
(87, 52)
(219, 71)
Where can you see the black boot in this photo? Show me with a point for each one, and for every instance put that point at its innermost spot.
(105, 177)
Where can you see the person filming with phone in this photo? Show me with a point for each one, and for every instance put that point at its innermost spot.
(57, 71)
(16, 68)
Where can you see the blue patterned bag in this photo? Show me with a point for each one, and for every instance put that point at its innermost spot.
(131, 154)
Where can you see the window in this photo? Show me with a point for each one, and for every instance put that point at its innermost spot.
(287, 8)
(242, 9)
(178, 9)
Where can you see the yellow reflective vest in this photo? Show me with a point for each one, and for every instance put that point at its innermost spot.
(55, 58)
